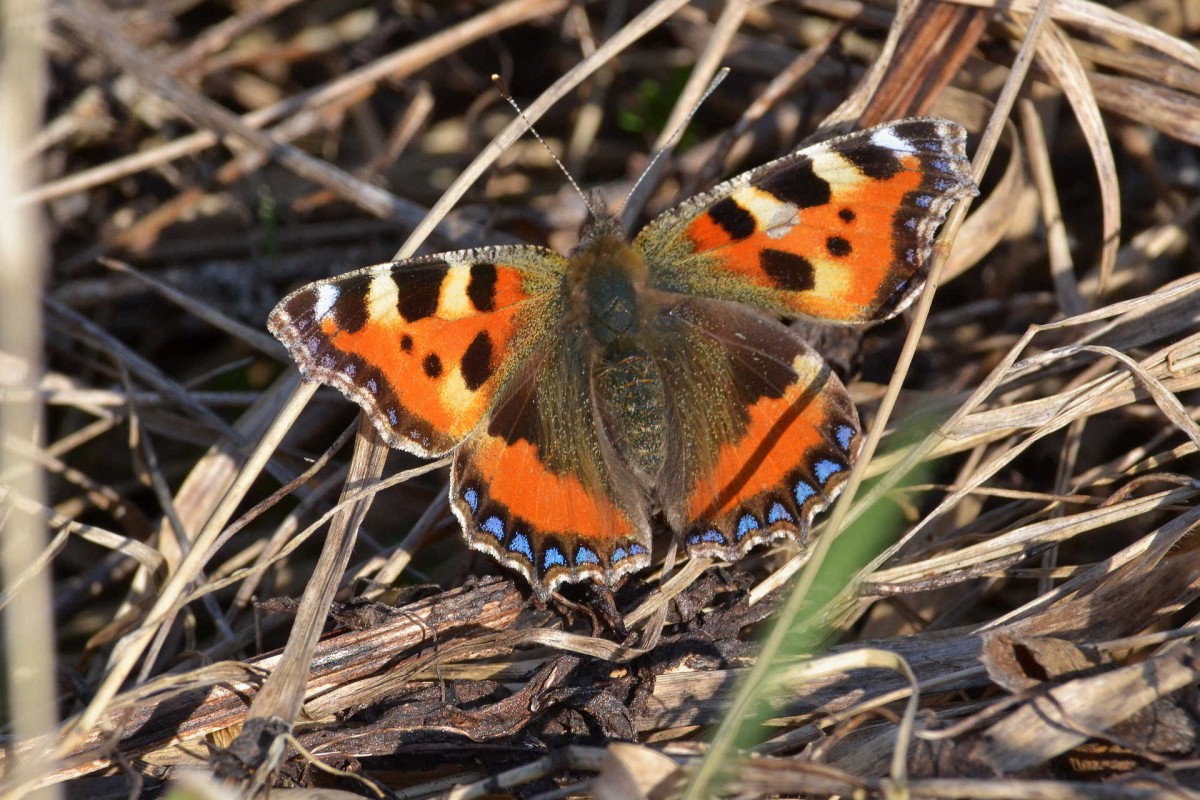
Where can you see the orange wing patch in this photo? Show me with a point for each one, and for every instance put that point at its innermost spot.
(548, 525)
(829, 259)
(421, 346)
(538, 489)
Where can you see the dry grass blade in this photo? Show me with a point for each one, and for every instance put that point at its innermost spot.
(1059, 251)
(1069, 715)
(1012, 593)
(1068, 72)
(394, 66)
(278, 704)
(630, 33)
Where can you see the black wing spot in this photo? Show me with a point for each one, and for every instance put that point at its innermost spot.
(796, 183)
(847, 215)
(406, 343)
(789, 271)
(350, 310)
(482, 287)
(877, 163)
(735, 220)
(477, 361)
(419, 290)
(838, 246)
(432, 365)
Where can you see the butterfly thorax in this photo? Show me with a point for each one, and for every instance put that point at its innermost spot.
(607, 278)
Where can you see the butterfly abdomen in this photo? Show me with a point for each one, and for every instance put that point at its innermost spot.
(631, 398)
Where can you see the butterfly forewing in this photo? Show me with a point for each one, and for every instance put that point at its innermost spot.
(839, 232)
(423, 345)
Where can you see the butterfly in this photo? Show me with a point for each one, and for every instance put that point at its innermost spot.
(583, 395)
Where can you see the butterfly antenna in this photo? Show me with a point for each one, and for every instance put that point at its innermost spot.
(674, 137)
(503, 89)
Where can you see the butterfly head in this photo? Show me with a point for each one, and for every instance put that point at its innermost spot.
(600, 224)
(606, 276)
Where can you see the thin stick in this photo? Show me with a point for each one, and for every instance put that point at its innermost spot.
(719, 41)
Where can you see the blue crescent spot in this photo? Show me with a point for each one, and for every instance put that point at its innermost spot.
(779, 514)
(825, 469)
(713, 535)
(803, 491)
(845, 434)
(585, 556)
(553, 558)
(392, 418)
(520, 544)
(494, 526)
(618, 555)
(746, 524)
(636, 549)
(472, 498)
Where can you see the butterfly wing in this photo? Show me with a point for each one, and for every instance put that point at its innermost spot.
(423, 346)
(540, 489)
(763, 434)
(840, 231)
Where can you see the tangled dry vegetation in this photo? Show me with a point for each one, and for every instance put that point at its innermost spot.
(1009, 607)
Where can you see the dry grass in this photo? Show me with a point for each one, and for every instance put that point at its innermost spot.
(1006, 607)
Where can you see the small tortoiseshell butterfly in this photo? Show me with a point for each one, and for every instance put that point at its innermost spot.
(580, 394)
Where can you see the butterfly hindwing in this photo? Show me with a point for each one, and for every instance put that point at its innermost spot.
(839, 231)
(540, 489)
(763, 434)
(424, 345)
